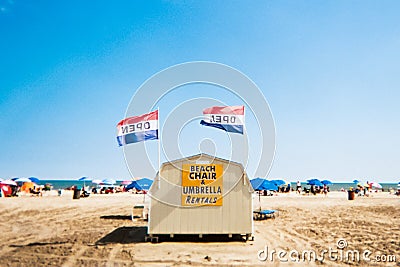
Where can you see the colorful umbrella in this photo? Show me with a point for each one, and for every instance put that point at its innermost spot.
(97, 181)
(278, 182)
(22, 180)
(314, 182)
(9, 182)
(326, 182)
(108, 181)
(375, 184)
(84, 179)
(268, 185)
(256, 183)
(34, 180)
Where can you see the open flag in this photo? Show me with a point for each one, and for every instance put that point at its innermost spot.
(230, 119)
(137, 129)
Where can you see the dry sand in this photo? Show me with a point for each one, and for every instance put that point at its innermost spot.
(98, 231)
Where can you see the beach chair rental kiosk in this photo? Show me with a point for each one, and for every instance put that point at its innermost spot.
(200, 195)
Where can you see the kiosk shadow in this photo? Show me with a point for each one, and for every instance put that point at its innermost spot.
(212, 238)
(137, 234)
(116, 217)
(124, 235)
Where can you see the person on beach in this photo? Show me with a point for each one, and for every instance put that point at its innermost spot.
(366, 189)
(325, 190)
(298, 187)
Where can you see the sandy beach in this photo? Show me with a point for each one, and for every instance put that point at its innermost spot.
(98, 231)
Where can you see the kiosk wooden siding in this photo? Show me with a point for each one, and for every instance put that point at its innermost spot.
(167, 216)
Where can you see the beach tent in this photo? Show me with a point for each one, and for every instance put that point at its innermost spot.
(132, 185)
(144, 183)
(141, 184)
(6, 190)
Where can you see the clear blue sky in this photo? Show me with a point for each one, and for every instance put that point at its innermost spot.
(330, 71)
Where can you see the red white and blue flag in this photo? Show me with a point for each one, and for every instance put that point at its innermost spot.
(230, 119)
(137, 129)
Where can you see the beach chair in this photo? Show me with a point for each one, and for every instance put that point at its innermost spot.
(140, 211)
(264, 214)
(35, 193)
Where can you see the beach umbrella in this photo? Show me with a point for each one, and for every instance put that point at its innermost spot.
(375, 184)
(278, 182)
(9, 182)
(84, 179)
(108, 181)
(34, 180)
(126, 182)
(27, 186)
(314, 182)
(326, 182)
(268, 185)
(356, 181)
(97, 181)
(22, 180)
(256, 183)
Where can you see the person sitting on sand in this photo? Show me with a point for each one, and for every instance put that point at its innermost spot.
(287, 190)
(84, 193)
(312, 190)
(34, 191)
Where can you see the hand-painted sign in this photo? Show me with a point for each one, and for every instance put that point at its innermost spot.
(202, 184)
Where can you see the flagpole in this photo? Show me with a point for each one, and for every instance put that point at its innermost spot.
(245, 139)
(159, 148)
